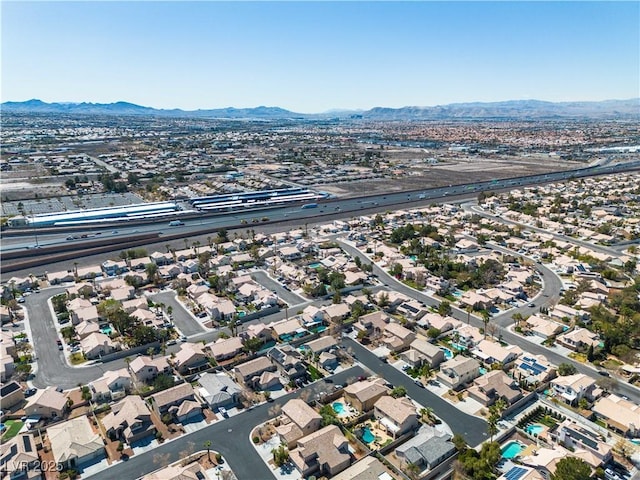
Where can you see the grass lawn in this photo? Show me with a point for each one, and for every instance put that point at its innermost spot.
(611, 364)
(314, 373)
(13, 427)
(578, 357)
(77, 358)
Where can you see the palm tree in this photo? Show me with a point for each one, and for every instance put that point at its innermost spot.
(485, 320)
(207, 445)
(517, 318)
(469, 309)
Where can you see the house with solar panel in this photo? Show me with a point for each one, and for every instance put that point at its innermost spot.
(521, 473)
(533, 370)
(575, 436)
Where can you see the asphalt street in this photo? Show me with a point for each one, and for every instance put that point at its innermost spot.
(548, 294)
(230, 437)
(473, 428)
(181, 318)
(287, 296)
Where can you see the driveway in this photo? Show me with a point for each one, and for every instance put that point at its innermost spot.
(183, 319)
(230, 437)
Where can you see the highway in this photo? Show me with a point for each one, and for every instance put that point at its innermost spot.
(330, 209)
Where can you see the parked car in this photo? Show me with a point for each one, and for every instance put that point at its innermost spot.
(419, 383)
(30, 391)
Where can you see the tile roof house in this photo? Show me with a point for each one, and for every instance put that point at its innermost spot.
(225, 348)
(543, 327)
(325, 452)
(533, 369)
(97, 344)
(396, 337)
(369, 468)
(365, 393)
(571, 388)
(219, 390)
(111, 386)
(493, 386)
(575, 436)
(397, 415)
(458, 371)
(425, 353)
(173, 396)
(48, 403)
(427, 449)
(190, 359)
(129, 420)
(322, 344)
(145, 369)
(620, 415)
(288, 360)
(579, 338)
(11, 394)
(73, 442)
(192, 471)
(372, 323)
(19, 457)
(249, 372)
(298, 420)
(492, 352)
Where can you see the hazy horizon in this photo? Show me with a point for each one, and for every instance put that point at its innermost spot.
(315, 57)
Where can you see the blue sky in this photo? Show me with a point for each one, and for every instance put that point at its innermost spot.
(316, 56)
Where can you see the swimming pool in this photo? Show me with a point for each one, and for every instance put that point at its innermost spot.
(512, 450)
(448, 354)
(534, 429)
(315, 265)
(457, 293)
(482, 370)
(106, 330)
(367, 436)
(338, 407)
(636, 441)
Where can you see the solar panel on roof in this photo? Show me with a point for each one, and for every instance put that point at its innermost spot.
(515, 473)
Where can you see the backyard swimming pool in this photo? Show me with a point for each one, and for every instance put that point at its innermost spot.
(534, 428)
(315, 265)
(512, 450)
(338, 407)
(367, 436)
(448, 354)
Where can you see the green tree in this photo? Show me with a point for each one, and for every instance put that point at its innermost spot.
(565, 369)
(444, 308)
(280, 455)
(571, 468)
(151, 269)
(459, 442)
(329, 416)
(398, 392)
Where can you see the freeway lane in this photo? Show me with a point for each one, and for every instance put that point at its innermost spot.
(474, 429)
(230, 437)
(344, 207)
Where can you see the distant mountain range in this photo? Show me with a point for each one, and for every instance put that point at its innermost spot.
(514, 109)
